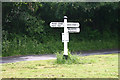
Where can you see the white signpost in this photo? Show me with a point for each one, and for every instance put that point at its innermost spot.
(74, 28)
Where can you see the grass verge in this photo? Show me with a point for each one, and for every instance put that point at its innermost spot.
(97, 66)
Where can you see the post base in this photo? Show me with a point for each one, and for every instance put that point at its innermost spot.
(65, 57)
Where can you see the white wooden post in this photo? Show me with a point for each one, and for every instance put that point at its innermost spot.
(66, 35)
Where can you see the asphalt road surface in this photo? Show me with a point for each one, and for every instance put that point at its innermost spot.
(13, 59)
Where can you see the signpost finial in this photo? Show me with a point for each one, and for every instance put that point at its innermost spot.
(65, 17)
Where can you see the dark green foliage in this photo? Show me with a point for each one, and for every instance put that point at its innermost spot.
(26, 27)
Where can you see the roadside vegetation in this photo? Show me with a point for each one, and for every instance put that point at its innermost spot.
(27, 46)
(94, 66)
(26, 30)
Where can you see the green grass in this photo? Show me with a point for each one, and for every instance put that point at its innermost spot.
(28, 46)
(94, 66)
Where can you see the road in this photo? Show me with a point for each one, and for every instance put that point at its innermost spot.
(13, 59)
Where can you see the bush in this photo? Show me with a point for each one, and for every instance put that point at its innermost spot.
(23, 45)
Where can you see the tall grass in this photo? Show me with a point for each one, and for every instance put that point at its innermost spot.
(26, 46)
(93, 45)
(22, 46)
(73, 59)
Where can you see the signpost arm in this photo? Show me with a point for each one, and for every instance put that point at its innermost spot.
(65, 55)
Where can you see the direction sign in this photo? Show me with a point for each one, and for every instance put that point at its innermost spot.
(65, 37)
(73, 30)
(57, 24)
(61, 24)
(73, 24)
